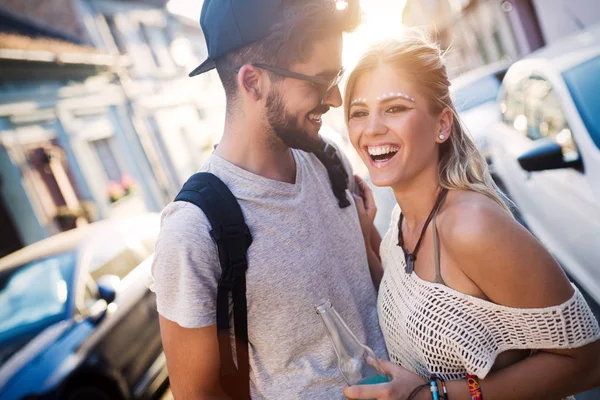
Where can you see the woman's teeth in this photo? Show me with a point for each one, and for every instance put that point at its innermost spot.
(382, 153)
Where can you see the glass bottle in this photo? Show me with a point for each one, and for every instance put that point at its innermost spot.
(352, 355)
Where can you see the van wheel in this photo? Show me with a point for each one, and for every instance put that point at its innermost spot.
(88, 393)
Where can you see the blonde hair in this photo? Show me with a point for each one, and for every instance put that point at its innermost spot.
(461, 165)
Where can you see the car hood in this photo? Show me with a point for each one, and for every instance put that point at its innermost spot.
(31, 350)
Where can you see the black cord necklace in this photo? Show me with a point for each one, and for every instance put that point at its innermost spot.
(412, 257)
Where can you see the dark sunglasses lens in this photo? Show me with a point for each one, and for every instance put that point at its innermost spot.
(336, 81)
(324, 89)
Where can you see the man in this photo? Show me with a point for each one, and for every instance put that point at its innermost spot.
(305, 247)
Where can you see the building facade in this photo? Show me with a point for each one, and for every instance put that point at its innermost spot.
(480, 32)
(475, 33)
(98, 118)
(178, 118)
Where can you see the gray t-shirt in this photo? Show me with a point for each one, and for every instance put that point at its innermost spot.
(305, 250)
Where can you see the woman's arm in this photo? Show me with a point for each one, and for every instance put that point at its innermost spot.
(549, 374)
(375, 266)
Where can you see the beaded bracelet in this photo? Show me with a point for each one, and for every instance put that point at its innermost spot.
(474, 387)
(443, 387)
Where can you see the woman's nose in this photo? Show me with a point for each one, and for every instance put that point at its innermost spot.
(375, 125)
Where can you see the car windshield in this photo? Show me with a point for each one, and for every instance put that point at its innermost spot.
(481, 91)
(583, 82)
(33, 297)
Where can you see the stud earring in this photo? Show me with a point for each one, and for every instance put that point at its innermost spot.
(441, 137)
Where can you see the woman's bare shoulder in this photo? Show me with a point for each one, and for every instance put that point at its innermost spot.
(465, 215)
(498, 254)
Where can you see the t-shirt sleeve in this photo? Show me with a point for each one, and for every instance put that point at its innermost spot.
(186, 267)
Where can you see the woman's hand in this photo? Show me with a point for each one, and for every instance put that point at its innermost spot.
(365, 205)
(403, 382)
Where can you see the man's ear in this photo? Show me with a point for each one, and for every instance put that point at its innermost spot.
(250, 81)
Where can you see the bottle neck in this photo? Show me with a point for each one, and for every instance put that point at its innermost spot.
(344, 341)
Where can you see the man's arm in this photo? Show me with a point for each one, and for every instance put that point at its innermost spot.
(186, 271)
(193, 361)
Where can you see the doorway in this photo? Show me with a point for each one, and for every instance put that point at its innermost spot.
(9, 238)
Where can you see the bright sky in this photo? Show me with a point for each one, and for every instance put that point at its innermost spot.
(382, 18)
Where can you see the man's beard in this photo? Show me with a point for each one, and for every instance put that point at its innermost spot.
(286, 127)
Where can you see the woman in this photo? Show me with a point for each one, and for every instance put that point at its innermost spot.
(467, 292)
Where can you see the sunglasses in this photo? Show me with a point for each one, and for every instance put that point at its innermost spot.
(323, 85)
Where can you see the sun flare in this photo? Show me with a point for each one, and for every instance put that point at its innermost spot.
(382, 18)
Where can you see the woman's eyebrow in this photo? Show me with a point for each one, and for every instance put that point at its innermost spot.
(395, 97)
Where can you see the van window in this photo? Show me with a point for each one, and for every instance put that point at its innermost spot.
(583, 82)
(545, 116)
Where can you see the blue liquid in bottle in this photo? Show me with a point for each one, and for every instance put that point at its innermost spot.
(373, 380)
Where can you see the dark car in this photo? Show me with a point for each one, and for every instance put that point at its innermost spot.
(77, 317)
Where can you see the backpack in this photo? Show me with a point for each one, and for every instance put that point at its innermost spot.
(233, 238)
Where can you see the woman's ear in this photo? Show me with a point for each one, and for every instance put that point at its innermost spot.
(249, 80)
(445, 125)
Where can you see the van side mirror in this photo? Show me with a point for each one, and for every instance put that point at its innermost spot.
(546, 155)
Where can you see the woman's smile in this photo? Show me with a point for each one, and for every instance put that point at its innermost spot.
(381, 155)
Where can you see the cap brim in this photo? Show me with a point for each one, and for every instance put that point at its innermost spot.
(204, 67)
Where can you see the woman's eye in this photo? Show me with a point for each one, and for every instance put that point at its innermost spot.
(397, 109)
(358, 114)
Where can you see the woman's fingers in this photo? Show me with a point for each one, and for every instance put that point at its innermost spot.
(369, 199)
(402, 383)
(378, 391)
(388, 367)
(359, 181)
(360, 204)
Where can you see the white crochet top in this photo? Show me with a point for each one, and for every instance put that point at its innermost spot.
(431, 328)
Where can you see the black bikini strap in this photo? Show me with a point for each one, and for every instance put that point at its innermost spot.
(436, 251)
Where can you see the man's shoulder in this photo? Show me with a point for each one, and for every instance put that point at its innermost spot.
(183, 220)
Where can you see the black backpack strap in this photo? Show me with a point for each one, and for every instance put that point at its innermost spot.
(233, 238)
(338, 176)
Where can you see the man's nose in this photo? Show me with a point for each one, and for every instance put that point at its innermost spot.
(333, 97)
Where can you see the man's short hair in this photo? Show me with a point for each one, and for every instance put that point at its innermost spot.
(290, 41)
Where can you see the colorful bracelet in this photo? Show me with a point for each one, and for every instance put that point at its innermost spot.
(474, 387)
(443, 386)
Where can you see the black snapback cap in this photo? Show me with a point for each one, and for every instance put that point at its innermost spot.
(232, 24)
